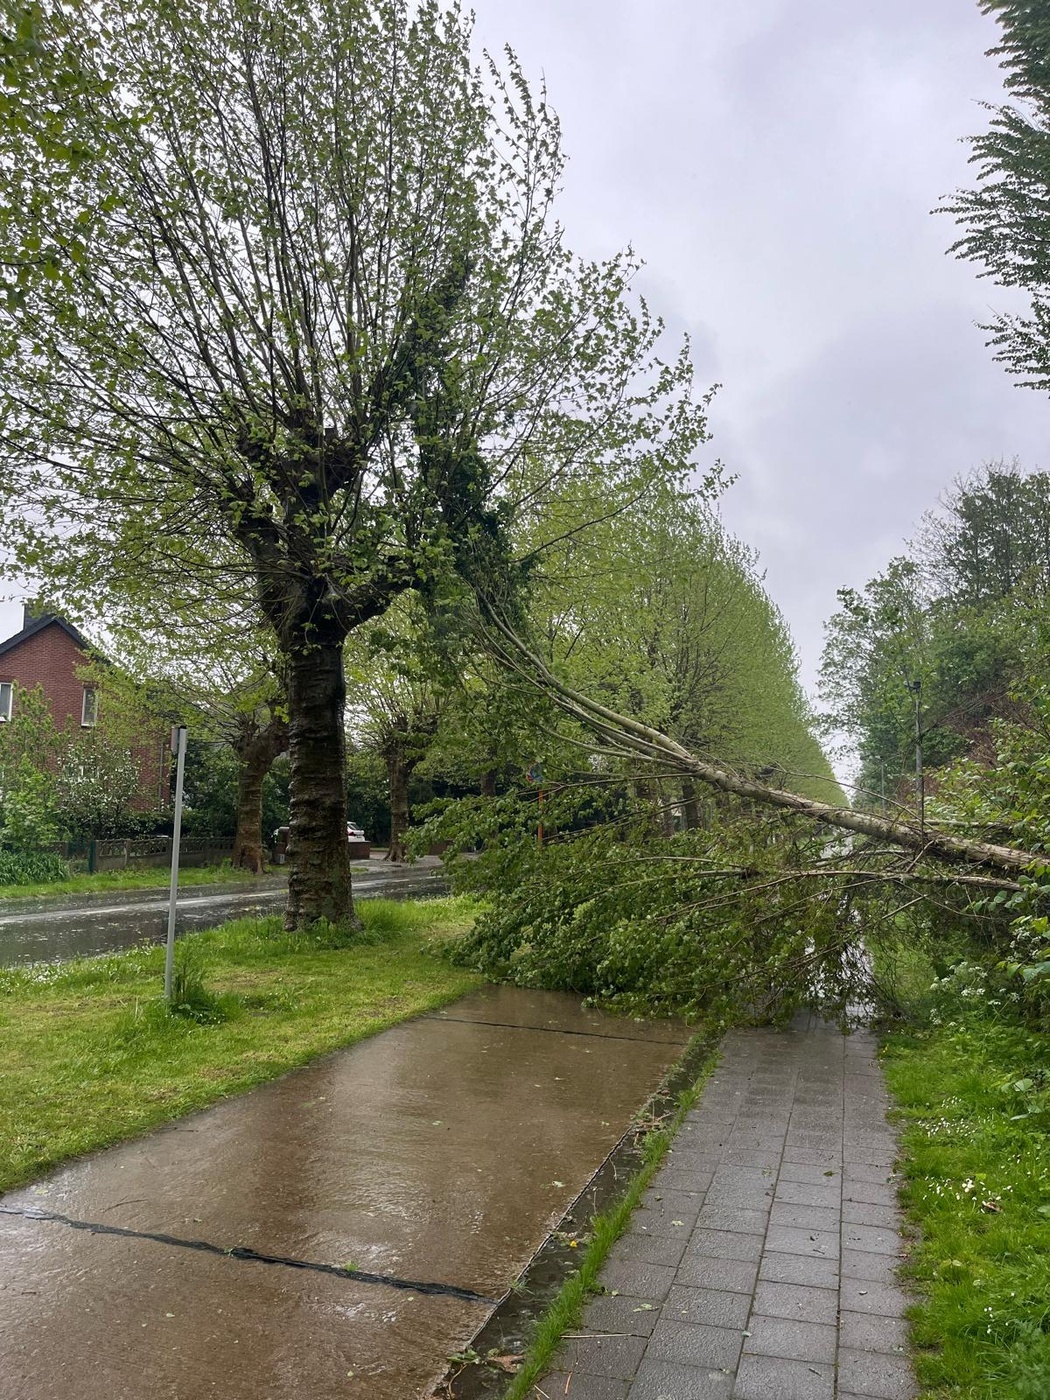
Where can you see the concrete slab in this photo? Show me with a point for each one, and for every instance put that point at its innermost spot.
(336, 1233)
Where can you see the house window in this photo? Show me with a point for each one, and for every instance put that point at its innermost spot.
(89, 714)
(7, 699)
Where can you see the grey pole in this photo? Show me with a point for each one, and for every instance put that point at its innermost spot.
(920, 786)
(178, 747)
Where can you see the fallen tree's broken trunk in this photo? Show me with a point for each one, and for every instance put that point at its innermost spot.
(624, 735)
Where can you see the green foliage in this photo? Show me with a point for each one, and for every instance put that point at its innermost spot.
(977, 1186)
(98, 784)
(211, 792)
(1004, 216)
(28, 867)
(29, 816)
(714, 923)
(190, 997)
(964, 614)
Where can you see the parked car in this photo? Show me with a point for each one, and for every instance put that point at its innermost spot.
(360, 848)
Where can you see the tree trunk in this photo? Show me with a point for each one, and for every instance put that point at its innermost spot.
(318, 853)
(256, 753)
(690, 806)
(398, 771)
(247, 841)
(488, 783)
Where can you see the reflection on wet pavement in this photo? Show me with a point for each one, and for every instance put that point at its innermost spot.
(34, 930)
(438, 1153)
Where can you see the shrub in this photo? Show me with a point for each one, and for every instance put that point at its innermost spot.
(31, 868)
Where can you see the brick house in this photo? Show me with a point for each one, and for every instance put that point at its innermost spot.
(49, 652)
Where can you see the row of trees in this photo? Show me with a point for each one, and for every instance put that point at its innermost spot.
(287, 319)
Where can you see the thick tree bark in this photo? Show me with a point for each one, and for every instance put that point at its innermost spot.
(690, 805)
(318, 852)
(256, 752)
(488, 783)
(398, 771)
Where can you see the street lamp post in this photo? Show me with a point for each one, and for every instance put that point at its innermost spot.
(915, 687)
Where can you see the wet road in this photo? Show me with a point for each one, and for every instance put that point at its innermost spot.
(334, 1234)
(46, 930)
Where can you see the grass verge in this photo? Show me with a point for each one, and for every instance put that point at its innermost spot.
(566, 1309)
(977, 1184)
(89, 1054)
(154, 878)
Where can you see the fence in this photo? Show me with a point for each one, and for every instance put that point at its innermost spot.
(144, 852)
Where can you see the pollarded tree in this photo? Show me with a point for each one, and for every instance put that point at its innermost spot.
(285, 304)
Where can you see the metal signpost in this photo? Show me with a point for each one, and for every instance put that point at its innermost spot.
(178, 747)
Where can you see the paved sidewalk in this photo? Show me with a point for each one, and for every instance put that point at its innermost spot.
(762, 1263)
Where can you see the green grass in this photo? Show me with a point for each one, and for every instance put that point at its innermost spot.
(103, 880)
(566, 1310)
(90, 1056)
(978, 1188)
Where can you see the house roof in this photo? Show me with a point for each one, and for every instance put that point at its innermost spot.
(37, 625)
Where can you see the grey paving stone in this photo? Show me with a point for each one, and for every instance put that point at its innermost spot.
(886, 1217)
(808, 1171)
(717, 1348)
(865, 1296)
(871, 1332)
(716, 1216)
(820, 1142)
(785, 1239)
(724, 1244)
(826, 1193)
(772, 1378)
(808, 1269)
(685, 1178)
(876, 1193)
(710, 1307)
(616, 1358)
(871, 1239)
(634, 1316)
(869, 1265)
(662, 1222)
(876, 1374)
(729, 1275)
(665, 1380)
(699, 1161)
(862, 1171)
(746, 1194)
(649, 1281)
(869, 1157)
(800, 1301)
(791, 1339)
(805, 1217)
(557, 1384)
(815, 1157)
(676, 1201)
(649, 1248)
(749, 1157)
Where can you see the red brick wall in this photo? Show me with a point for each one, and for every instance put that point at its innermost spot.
(50, 658)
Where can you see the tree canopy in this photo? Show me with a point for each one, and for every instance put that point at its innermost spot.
(286, 308)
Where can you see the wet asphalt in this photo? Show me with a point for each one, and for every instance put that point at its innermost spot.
(337, 1233)
(54, 930)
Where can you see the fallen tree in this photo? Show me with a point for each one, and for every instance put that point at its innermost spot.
(625, 737)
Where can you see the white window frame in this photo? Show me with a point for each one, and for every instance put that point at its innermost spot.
(89, 708)
(7, 700)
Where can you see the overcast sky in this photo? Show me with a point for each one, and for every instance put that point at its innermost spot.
(775, 162)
